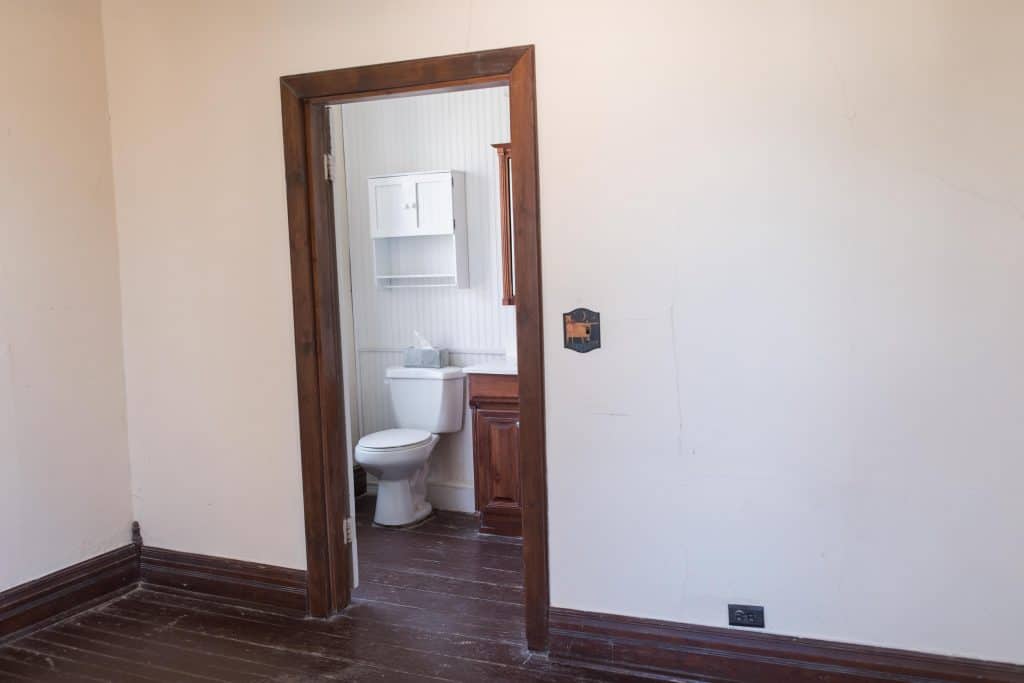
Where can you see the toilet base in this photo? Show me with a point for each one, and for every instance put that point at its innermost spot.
(411, 525)
(402, 502)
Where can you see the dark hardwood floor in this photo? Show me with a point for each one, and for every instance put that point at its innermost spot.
(435, 603)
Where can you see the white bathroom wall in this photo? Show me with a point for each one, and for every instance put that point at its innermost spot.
(444, 131)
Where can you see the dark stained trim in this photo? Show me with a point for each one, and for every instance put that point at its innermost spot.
(530, 341)
(317, 335)
(721, 654)
(37, 603)
(246, 582)
(405, 76)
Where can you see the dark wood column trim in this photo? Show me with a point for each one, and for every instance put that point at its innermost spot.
(530, 340)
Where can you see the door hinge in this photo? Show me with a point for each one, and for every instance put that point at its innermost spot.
(329, 167)
(349, 530)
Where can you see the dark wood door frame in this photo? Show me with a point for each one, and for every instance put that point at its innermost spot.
(304, 101)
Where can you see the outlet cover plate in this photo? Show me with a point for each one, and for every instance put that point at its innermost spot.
(751, 616)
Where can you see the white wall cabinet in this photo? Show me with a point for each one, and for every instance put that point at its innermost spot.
(418, 226)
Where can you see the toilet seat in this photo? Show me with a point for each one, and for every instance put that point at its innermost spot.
(394, 439)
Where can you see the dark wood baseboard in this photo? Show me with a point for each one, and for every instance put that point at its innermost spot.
(62, 593)
(502, 519)
(720, 654)
(246, 582)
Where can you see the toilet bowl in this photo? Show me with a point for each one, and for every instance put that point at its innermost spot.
(426, 402)
(398, 458)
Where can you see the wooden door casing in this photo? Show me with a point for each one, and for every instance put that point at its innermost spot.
(304, 98)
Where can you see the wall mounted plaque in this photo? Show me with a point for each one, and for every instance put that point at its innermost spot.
(582, 330)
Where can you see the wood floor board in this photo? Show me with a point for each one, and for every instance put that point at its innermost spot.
(367, 642)
(386, 636)
(64, 664)
(436, 583)
(426, 659)
(257, 660)
(454, 548)
(125, 665)
(388, 555)
(357, 625)
(367, 614)
(292, 640)
(450, 524)
(473, 610)
(11, 675)
(27, 665)
(267, 662)
(162, 651)
(436, 603)
(480, 574)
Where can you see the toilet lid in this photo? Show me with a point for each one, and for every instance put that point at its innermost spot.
(394, 438)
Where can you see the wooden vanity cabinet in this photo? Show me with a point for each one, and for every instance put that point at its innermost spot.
(495, 403)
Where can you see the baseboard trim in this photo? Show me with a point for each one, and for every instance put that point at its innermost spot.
(455, 496)
(729, 655)
(237, 580)
(65, 592)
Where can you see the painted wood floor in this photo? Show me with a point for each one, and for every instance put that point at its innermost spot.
(436, 603)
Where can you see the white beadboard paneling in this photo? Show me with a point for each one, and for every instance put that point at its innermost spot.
(447, 131)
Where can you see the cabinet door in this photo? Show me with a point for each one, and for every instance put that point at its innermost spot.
(434, 204)
(496, 449)
(392, 207)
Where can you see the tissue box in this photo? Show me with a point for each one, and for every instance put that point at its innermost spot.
(425, 358)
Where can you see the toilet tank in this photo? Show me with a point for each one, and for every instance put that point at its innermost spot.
(432, 399)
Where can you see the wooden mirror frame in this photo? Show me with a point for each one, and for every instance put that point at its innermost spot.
(324, 464)
(508, 284)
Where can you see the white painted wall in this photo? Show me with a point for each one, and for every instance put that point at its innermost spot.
(443, 131)
(802, 223)
(64, 480)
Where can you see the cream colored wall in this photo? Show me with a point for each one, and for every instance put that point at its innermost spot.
(802, 223)
(64, 479)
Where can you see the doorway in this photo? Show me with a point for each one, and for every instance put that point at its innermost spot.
(328, 504)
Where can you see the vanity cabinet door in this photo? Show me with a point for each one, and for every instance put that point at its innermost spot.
(496, 452)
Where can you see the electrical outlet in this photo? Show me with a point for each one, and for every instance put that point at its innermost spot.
(751, 616)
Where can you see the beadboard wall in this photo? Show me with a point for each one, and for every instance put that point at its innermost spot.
(445, 131)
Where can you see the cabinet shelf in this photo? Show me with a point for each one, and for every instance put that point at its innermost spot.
(418, 229)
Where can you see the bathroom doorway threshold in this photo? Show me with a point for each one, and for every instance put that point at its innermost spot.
(325, 475)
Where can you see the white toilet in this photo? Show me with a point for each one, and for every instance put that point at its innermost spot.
(426, 402)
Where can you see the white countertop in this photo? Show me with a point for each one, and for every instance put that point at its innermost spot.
(505, 366)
